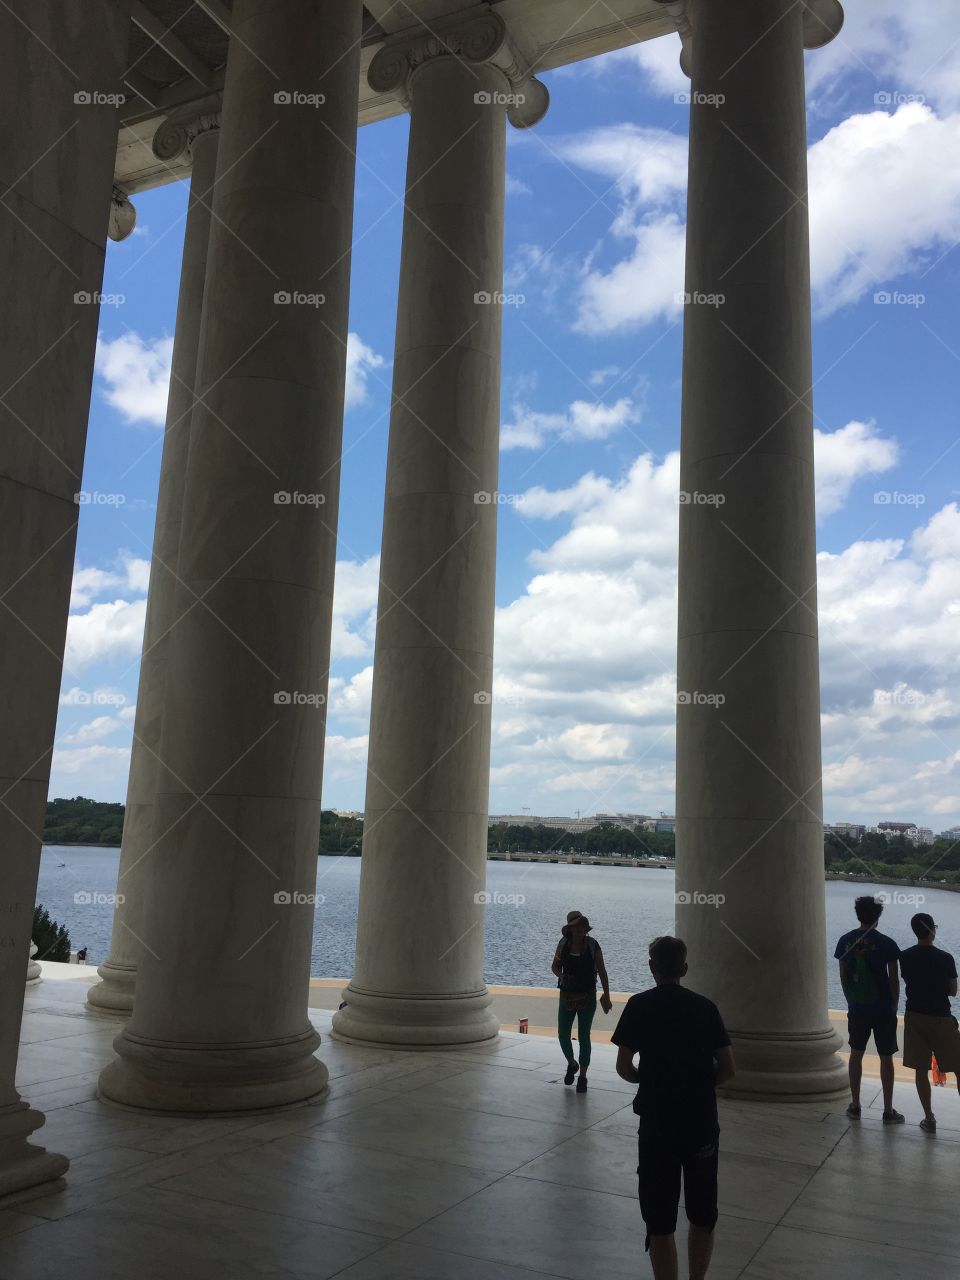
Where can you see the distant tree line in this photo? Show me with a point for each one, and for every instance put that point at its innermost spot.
(874, 854)
(605, 839)
(82, 821)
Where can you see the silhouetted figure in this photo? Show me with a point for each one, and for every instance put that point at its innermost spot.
(929, 1028)
(871, 984)
(684, 1053)
(577, 963)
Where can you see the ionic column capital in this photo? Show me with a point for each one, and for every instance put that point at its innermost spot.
(175, 137)
(478, 36)
(822, 20)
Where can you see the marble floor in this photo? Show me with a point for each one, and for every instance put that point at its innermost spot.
(477, 1165)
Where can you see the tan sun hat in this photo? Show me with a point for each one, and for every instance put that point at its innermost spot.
(577, 917)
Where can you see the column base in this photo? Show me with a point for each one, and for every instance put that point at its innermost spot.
(409, 1022)
(113, 994)
(24, 1167)
(787, 1068)
(149, 1075)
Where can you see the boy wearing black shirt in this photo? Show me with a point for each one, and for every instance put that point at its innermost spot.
(928, 1025)
(684, 1054)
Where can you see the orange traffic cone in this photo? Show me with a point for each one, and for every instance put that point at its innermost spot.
(939, 1077)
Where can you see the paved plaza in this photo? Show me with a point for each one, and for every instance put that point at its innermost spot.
(476, 1164)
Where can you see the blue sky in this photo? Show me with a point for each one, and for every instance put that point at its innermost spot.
(585, 677)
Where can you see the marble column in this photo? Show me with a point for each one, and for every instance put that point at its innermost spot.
(418, 979)
(220, 1019)
(749, 809)
(59, 81)
(197, 133)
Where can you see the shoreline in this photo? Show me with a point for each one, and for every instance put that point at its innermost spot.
(662, 864)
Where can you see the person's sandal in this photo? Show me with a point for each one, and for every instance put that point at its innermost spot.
(571, 1075)
(928, 1126)
(582, 1085)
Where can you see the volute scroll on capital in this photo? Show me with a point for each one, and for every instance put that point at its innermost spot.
(479, 37)
(822, 21)
(174, 138)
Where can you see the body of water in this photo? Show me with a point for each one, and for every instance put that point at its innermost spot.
(627, 907)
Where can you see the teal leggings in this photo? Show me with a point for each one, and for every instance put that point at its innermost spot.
(584, 1023)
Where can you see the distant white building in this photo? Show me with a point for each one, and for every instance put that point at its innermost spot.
(849, 830)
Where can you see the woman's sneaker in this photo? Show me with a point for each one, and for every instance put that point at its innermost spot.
(929, 1126)
(582, 1085)
(571, 1075)
(893, 1117)
(853, 1111)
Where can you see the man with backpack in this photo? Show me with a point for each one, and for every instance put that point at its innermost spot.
(871, 983)
(929, 1028)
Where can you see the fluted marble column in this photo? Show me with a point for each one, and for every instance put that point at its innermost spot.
(59, 80)
(198, 132)
(418, 979)
(220, 1019)
(749, 810)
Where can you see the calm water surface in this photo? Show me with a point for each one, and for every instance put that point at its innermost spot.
(626, 906)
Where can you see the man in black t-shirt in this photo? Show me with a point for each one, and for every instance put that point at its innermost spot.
(684, 1053)
(928, 1025)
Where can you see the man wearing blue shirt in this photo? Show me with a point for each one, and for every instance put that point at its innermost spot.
(871, 983)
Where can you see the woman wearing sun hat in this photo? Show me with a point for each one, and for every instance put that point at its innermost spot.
(577, 964)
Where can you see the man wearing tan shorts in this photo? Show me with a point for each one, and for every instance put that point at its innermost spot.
(929, 1028)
